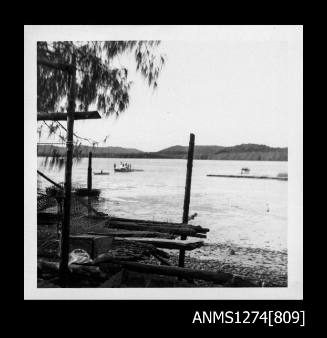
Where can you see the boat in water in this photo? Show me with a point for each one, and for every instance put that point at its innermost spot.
(125, 168)
(245, 171)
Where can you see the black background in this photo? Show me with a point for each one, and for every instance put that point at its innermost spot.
(154, 317)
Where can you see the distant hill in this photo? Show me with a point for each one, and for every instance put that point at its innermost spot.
(47, 150)
(198, 150)
(250, 152)
(254, 152)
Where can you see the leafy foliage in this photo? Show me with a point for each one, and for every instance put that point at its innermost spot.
(98, 80)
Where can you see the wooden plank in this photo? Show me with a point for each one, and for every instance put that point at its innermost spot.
(121, 219)
(169, 243)
(172, 226)
(217, 277)
(50, 180)
(129, 233)
(111, 220)
(169, 230)
(65, 229)
(89, 173)
(81, 115)
(187, 194)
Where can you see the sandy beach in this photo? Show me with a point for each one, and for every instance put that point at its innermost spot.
(264, 267)
(267, 267)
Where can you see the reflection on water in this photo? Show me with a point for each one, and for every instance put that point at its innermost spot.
(245, 212)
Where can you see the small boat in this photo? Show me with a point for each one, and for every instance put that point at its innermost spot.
(123, 168)
(245, 170)
(126, 170)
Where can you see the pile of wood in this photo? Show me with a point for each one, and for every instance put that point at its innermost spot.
(113, 272)
(129, 233)
(163, 243)
(134, 242)
(179, 229)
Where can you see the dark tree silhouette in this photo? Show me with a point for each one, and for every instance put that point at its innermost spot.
(98, 81)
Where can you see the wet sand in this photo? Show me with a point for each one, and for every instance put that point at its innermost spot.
(267, 267)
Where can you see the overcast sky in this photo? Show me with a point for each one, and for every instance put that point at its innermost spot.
(225, 92)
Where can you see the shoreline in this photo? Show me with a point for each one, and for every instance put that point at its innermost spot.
(264, 266)
(123, 156)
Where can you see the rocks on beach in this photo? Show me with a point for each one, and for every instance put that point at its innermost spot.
(262, 267)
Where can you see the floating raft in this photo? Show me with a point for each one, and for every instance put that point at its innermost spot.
(126, 171)
(251, 176)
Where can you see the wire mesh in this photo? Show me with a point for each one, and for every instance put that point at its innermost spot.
(50, 199)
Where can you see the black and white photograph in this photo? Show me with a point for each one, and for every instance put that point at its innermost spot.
(163, 162)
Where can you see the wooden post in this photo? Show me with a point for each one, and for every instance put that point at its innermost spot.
(187, 194)
(89, 184)
(89, 173)
(63, 265)
(79, 115)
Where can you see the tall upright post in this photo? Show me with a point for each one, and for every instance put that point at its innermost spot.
(89, 184)
(89, 173)
(63, 265)
(187, 194)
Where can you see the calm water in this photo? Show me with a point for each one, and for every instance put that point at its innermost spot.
(234, 209)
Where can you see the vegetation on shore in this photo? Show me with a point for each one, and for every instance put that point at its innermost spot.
(247, 152)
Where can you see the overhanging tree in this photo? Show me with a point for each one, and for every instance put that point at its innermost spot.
(78, 74)
(98, 81)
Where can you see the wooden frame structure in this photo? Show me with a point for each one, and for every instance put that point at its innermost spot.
(69, 117)
(78, 115)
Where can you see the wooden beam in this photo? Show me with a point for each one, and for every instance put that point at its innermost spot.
(79, 115)
(129, 233)
(55, 65)
(65, 231)
(50, 180)
(146, 227)
(89, 173)
(114, 218)
(187, 195)
(174, 226)
(217, 277)
(171, 244)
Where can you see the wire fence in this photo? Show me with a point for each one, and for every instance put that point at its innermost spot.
(50, 200)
